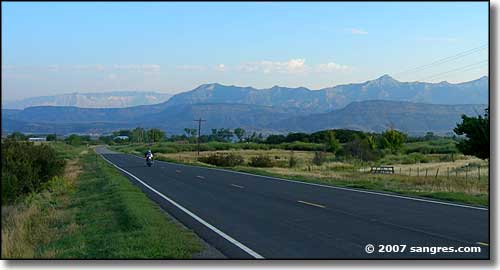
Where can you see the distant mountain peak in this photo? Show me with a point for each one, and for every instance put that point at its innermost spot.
(210, 86)
(386, 78)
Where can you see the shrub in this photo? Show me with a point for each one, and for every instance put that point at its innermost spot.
(261, 161)
(414, 158)
(447, 158)
(224, 160)
(302, 146)
(292, 162)
(319, 158)
(26, 167)
(441, 146)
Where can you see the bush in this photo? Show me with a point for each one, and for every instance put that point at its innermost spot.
(319, 158)
(440, 146)
(302, 146)
(261, 161)
(292, 162)
(224, 160)
(26, 167)
(414, 158)
(447, 158)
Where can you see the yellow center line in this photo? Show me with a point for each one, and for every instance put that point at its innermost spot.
(237, 186)
(312, 204)
(483, 244)
(201, 177)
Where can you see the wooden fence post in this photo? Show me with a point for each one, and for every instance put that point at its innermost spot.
(409, 174)
(448, 173)
(466, 172)
(437, 172)
(479, 172)
(418, 171)
(426, 169)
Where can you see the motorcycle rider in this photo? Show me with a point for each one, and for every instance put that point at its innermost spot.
(149, 154)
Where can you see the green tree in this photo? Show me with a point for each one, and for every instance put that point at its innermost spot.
(138, 134)
(74, 140)
(156, 135)
(190, 132)
(333, 144)
(371, 142)
(477, 133)
(18, 136)
(393, 140)
(429, 136)
(106, 139)
(275, 139)
(51, 137)
(239, 132)
(360, 149)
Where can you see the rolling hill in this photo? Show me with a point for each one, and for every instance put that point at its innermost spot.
(379, 115)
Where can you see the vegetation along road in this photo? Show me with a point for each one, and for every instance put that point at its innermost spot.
(251, 216)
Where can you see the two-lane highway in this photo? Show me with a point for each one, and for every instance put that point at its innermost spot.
(250, 216)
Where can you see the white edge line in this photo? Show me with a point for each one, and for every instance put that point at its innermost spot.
(210, 226)
(333, 187)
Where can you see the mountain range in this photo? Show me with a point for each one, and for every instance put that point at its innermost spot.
(375, 105)
(118, 99)
(327, 99)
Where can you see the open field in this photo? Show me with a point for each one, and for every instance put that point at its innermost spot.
(463, 180)
(92, 212)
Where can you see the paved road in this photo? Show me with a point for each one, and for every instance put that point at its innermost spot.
(248, 216)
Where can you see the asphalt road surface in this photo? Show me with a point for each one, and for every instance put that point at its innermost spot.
(249, 216)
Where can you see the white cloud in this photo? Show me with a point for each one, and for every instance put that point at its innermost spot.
(190, 68)
(291, 66)
(331, 67)
(220, 67)
(356, 31)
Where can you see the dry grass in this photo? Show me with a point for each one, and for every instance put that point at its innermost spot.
(276, 154)
(35, 221)
(450, 175)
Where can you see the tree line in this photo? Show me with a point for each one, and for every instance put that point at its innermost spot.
(474, 140)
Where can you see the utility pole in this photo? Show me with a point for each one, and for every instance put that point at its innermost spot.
(199, 132)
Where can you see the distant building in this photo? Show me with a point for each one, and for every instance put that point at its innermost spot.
(120, 138)
(37, 139)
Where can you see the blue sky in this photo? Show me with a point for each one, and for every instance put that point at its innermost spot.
(52, 48)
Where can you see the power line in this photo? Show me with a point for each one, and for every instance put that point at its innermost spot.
(444, 60)
(454, 70)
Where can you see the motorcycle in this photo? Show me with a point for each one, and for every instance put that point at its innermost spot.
(149, 161)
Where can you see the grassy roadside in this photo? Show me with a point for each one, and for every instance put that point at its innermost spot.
(92, 212)
(377, 184)
(456, 190)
